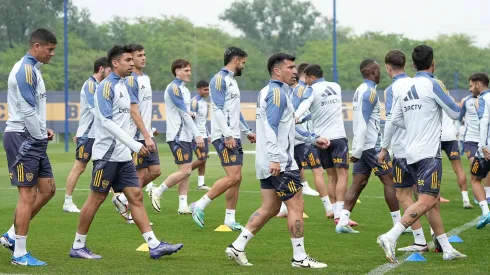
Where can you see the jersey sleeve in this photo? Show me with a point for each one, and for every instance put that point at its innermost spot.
(194, 105)
(275, 105)
(133, 89)
(367, 103)
(178, 100)
(27, 83)
(307, 100)
(89, 91)
(484, 119)
(244, 125)
(444, 100)
(389, 129)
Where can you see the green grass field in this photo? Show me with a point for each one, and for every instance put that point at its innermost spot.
(52, 231)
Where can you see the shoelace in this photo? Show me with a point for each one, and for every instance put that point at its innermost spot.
(311, 259)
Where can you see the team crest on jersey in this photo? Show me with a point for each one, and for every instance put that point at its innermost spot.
(105, 183)
(318, 161)
(85, 155)
(186, 156)
(29, 177)
(140, 161)
(233, 158)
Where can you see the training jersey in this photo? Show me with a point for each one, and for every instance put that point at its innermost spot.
(449, 131)
(86, 121)
(297, 96)
(141, 94)
(482, 108)
(471, 121)
(199, 106)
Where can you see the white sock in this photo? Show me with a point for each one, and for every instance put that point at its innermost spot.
(183, 202)
(11, 232)
(327, 204)
(443, 241)
(334, 209)
(419, 237)
(160, 189)
(229, 216)
(465, 196)
(396, 232)
(338, 211)
(79, 241)
(484, 207)
(68, 199)
(487, 192)
(395, 216)
(149, 186)
(151, 239)
(203, 202)
(305, 183)
(299, 253)
(123, 198)
(344, 217)
(283, 209)
(200, 181)
(431, 232)
(242, 240)
(20, 246)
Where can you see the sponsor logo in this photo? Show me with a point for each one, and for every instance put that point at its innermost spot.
(124, 110)
(145, 98)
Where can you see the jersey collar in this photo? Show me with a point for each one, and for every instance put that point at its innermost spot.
(318, 80)
(33, 61)
(424, 74)
(179, 81)
(370, 83)
(94, 79)
(301, 82)
(399, 76)
(114, 76)
(230, 73)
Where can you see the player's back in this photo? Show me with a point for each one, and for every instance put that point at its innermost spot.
(366, 111)
(469, 112)
(176, 128)
(326, 109)
(85, 124)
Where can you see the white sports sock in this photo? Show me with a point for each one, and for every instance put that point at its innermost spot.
(484, 207)
(305, 183)
(79, 241)
(68, 199)
(183, 202)
(200, 181)
(229, 216)
(11, 232)
(344, 217)
(327, 204)
(444, 242)
(242, 240)
(149, 186)
(465, 196)
(20, 246)
(123, 199)
(151, 239)
(299, 253)
(396, 232)
(487, 192)
(340, 207)
(160, 189)
(203, 202)
(419, 237)
(395, 216)
(334, 209)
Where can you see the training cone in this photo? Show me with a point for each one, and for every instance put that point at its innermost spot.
(223, 228)
(305, 216)
(455, 239)
(143, 248)
(358, 201)
(416, 257)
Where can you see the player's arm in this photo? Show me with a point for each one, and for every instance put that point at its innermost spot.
(397, 118)
(462, 113)
(368, 101)
(218, 92)
(194, 107)
(132, 86)
(89, 91)
(178, 100)
(307, 99)
(389, 129)
(305, 118)
(26, 89)
(444, 100)
(244, 126)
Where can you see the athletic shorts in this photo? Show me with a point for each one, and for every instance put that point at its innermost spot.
(336, 155)
(145, 162)
(201, 153)
(402, 177)
(480, 167)
(229, 157)
(451, 148)
(306, 156)
(287, 184)
(470, 148)
(84, 149)
(428, 173)
(27, 159)
(369, 163)
(182, 151)
(118, 175)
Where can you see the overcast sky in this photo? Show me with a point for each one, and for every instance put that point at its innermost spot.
(417, 19)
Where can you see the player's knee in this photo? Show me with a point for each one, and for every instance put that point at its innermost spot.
(363, 183)
(429, 200)
(137, 198)
(155, 172)
(235, 179)
(318, 171)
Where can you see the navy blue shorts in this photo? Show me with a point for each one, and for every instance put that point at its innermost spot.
(27, 159)
(470, 148)
(336, 155)
(229, 157)
(306, 156)
(428, 173)
(369, 162)
(451, 148)
(201, 153)
(145, 162)
(182, 151)
(84, 149)
(286, 184)
(117, 175)
(480, 167)
(402, 177)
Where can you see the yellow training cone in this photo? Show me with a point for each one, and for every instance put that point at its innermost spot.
(223, 228)
(358, 201)
(305, 216)
(143, 248)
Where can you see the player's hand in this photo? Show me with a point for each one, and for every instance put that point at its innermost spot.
(209, 140)
(252, 137)
(322, 142)
(155, 131)
(296, 119)
(199, 142)
(382, 156)
(486, 153)
(143, 151)
(230, 142)
(150, 144)
(50, 134)
(274, 168)
(75, 139)
(353, 159)
(192, 114)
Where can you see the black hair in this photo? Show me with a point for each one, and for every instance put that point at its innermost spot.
(179, 64)
(276, 59)
(116, 52)
(480, 77)
(313, 70)
(364, 64)
(396, 59)
(232, 52)
(301, 67)
(136, 47)
(422, 57)
(42, 36)
(202, 84)
(100, 62)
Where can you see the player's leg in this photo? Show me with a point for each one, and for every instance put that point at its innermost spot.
(301, 152)
(486, 183)
(318, 173)
(479, 170)
(200, 164)
(332, 194)
(384, 173)
(183, 190)
(455, 159)
(75, 173)
(338, 158)
(231, 196)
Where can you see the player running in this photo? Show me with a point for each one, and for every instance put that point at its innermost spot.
(113, 165)
(274, 164)
(419, 112)
(226, 122)
(85, 135)
(366, 146)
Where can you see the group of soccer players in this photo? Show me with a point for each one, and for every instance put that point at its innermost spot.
(299, 125)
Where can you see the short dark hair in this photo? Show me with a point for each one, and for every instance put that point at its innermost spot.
(202, 84)
(314, 70)
(179, 64)
(302, 67)
(100, 62)
(137, 47)
(422, 57)
(276, 59)
(396, 59)
(116, 52)
(42, 36)
(364, 64)
(480, 77)
(232, 52)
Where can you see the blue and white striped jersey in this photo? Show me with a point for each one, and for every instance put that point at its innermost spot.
(85, 124)
(141, 94)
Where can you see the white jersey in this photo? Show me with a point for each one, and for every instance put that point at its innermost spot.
(324, 101)
(112, 119)
(85, 124)
(226, 119)
(420, 113)
(296, 98)
(199, 106)
(483, 111)
(26, 99)
(471, 122)
(367, 133)
(449, 131)
(394, 135)
(141, 94)
(180, 126)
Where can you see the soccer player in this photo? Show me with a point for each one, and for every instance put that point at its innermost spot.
(147, 167)
(26, 140)
(274, 164)
(113, 165)
(199, 107)
(480, 165)
(85, 135)
(419, 112)
(365, 147)
(396, 137)
(226, 122)
(180, 131)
